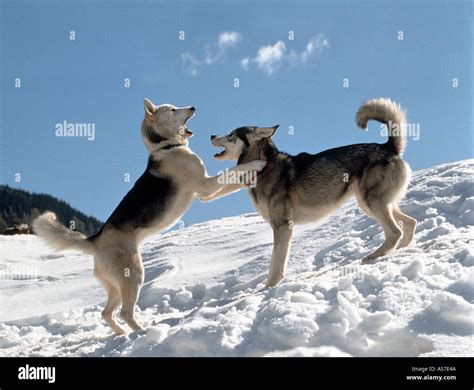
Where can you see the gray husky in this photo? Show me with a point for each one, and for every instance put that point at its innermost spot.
(173, 178)
(304, 188)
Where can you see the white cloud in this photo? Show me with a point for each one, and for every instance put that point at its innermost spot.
(213, 52)
(245, 62)
(228, 39)
(191, 63)
(314, 47)
(270, 58)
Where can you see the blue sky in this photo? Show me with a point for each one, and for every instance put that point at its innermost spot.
(295, 83)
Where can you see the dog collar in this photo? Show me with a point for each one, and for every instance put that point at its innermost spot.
(171, 146)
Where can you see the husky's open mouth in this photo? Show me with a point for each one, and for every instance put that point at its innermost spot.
(186, 132)
(221, 153)
(219, 142)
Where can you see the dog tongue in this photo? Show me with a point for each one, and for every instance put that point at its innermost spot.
(188, 133)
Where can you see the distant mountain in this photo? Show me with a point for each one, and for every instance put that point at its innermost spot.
(18, 206)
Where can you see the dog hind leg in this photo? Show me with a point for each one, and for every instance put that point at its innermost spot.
(408, 226)
(113, 301)
(120, 270)
(383, 214)
(130, 290)
(112, 304)
(129, 299)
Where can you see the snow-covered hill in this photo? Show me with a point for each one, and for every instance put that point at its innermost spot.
(204, 295)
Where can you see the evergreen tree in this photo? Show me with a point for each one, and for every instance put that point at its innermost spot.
(18, 206)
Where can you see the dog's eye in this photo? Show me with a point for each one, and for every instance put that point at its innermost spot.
(172, 109)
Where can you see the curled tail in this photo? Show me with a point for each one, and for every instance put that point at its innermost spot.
(58, 236)
(389, 113)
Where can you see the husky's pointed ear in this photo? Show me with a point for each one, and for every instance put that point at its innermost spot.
(150, 108)
(265, 132)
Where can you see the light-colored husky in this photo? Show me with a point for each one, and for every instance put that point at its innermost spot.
(299, 189)
(173, 177)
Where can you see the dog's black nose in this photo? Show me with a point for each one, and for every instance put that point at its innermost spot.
(193, 108)
(213, 136)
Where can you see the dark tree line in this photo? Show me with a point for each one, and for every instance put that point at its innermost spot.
(18, 206)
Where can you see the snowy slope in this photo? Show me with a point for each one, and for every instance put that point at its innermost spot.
(204, 295)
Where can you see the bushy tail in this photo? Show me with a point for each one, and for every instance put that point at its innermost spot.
(389, 113)
(58, 236)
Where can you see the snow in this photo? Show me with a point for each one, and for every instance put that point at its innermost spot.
(204, 296)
